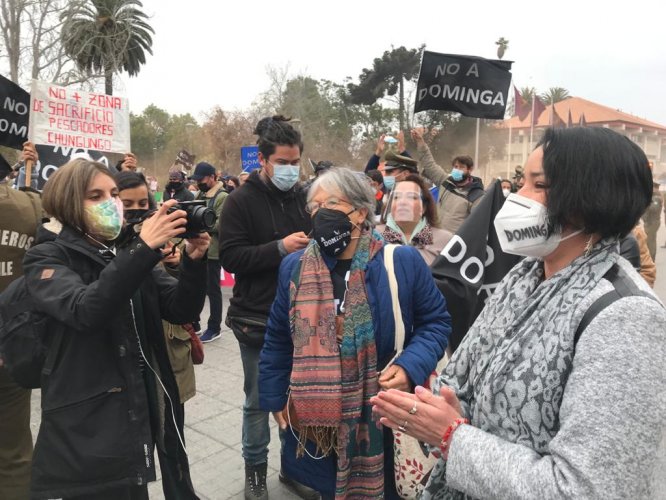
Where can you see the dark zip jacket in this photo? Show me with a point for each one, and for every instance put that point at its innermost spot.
(96, 430)
(255, 218)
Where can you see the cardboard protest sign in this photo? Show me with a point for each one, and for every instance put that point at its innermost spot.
(14, 113)
(69, 118)
(469, 85)
(249, 158)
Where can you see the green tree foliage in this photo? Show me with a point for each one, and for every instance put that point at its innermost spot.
(554, 94)
(387, 78)
(157, 137)
(107, 36)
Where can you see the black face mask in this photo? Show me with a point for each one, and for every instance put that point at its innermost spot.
(332, 229)
(173, 185)
(203, 187)
(135, 215)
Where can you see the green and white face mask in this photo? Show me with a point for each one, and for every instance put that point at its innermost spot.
(105, 219)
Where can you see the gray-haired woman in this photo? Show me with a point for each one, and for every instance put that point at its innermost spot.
(331, 332)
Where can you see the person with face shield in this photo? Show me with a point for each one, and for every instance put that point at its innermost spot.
(111, 397)
(413, 219)
(330, 342)
(557, 390)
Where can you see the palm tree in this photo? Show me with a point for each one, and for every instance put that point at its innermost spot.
(554, 94)
(107, 36)
(528, 93)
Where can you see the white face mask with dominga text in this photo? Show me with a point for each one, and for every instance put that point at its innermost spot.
(521, 228)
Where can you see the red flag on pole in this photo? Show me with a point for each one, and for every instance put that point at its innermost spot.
(537, 108)
(522, 107)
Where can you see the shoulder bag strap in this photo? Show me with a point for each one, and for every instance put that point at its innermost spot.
(622, 287)
(389, 263)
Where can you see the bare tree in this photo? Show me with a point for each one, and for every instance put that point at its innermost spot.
(30, 32)
(272, 100)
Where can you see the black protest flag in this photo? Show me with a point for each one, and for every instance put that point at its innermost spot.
(14, 114)
(472, 264)
(472, 86)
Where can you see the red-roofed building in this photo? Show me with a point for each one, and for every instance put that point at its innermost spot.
(650, 136)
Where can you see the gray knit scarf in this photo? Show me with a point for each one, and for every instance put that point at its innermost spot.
(511, 369)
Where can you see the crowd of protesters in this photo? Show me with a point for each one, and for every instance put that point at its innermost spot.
(557, 390)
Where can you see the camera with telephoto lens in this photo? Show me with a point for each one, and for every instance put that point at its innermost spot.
(200, 218)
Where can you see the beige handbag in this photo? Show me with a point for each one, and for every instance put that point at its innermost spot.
(412, 463)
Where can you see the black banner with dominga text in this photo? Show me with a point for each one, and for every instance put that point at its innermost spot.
(469, 85)
(14, 114)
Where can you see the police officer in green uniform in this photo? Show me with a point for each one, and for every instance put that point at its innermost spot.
(20, 214)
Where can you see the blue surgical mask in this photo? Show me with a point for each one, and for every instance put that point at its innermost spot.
(389, 181)
(285, 176)
(457, 175)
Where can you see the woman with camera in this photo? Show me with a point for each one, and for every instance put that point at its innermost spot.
(111, 395)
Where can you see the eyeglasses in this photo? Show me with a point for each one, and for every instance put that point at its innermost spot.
(411, 196)
(331, 204)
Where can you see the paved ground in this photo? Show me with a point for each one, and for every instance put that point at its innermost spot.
(213, 418)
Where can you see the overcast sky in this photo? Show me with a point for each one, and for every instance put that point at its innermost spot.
(209, 52)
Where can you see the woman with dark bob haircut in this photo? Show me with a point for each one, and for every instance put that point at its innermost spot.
(558, 389)
(111, 396)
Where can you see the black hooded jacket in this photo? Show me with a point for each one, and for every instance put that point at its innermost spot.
(255, 218)
(96, 423)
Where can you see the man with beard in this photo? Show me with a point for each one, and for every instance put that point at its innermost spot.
(261, 224)
(211, 190)
(460, 191)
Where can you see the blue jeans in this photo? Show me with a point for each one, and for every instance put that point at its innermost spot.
(256, 433)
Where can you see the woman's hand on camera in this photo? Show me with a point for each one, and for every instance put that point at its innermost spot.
(159, 228)
(197, 247)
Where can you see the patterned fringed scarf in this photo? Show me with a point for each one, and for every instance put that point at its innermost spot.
(331, 387)
(421, 237)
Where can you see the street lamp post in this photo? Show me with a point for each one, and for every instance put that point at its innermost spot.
(155, 162)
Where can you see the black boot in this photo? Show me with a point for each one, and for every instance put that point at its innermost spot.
(302, 491)
(255, 482)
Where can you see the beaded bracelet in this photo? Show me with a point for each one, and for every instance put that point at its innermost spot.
(446, 438)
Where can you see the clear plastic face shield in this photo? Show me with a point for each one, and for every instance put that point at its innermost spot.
(407, 204)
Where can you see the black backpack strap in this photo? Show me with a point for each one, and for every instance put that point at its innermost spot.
(623, 286)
